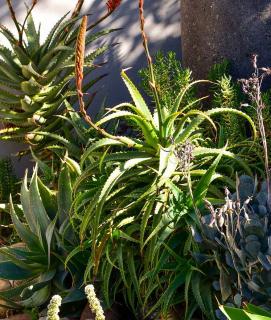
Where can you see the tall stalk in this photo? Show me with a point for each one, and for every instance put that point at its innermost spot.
(77, 8)
(19, 28)
(150, 65)
(253, 88)
(79, 76)
(34, 2)
(13, 17)
(112, 5)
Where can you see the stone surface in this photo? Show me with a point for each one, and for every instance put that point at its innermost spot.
(233, 29)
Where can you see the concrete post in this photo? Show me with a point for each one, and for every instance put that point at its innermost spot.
(232, 29)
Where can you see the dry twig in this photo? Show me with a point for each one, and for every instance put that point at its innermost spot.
(252, 87)
(77, 8)
(13, 16)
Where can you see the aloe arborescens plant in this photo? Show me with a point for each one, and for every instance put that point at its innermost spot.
(132, 207)
(36, 80)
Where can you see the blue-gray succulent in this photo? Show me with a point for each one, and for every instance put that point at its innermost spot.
(237, 237)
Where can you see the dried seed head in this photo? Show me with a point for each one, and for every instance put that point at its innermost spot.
(184, 153)
(267, 71)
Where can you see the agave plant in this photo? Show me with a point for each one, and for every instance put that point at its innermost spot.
(36, 82)
(237, 236)
(133, 193)
(36, 265)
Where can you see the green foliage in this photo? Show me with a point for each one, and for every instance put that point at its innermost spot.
(219, 70)
(227, 94)
(33, 313)
(9, 186)
(170, 78)
(134, 194)
(38, 263)
(77, 136)
(250, 312)
(8, 181)
(36, 83)
(123, 217)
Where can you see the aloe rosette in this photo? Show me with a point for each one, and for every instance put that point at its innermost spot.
(137, 192)
(36, 82)
(133, 201)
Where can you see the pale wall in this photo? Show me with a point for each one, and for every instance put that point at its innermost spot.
(162, 26)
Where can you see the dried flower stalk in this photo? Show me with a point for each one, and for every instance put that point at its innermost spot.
(111, 6)
(79, 68)
(252, 87)
(17, 24)
(79, 76)
(13, 16)
(77, 8)
(34, 2)
(149, 59)
(80, 56)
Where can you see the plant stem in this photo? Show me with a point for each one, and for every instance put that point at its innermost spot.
(23, 25)
(77, 8)
(150, 64)
(92, 25)
(253, 88)
(13, 16)
(260, 107)
(79, 71)
(99, 21)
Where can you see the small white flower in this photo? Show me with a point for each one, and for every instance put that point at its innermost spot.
(53, 308)
(94, 302)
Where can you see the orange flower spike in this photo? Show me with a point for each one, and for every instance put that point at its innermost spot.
(112, 5)
(80, 56)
